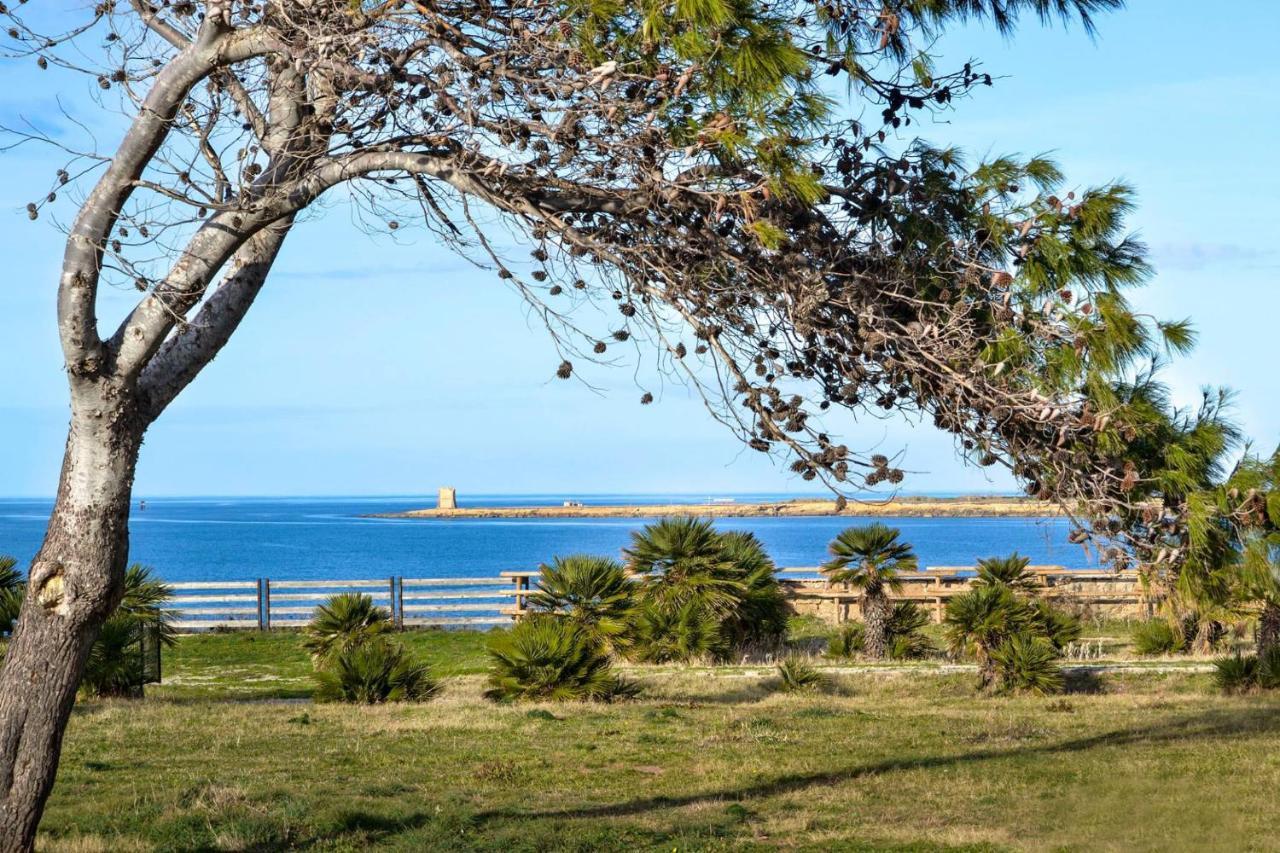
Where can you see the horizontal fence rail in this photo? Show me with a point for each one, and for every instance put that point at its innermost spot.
(485, 602)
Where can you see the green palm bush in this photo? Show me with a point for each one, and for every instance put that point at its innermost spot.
(12, 589)
(1269, 668)
(547, 657)
(1054, 624)
(979, 621)
(116, 665)
(870, 559)
(796, 676)
(372, 672)
(343, 623)
(1158, 637)
(761, 613)
(683, 560)
(1236, 673)
(1010, 571)
(702, 593)
(666, 633)
(1028, 664)
(847, 641)
(906, 639)
(594, 593)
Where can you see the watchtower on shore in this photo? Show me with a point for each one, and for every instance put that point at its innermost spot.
(448, 498)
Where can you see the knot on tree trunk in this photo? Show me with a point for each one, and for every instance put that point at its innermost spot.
(48, 582)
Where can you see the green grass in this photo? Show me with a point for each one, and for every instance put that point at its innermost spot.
(227, 755)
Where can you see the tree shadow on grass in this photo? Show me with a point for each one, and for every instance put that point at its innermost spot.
(1211, 725)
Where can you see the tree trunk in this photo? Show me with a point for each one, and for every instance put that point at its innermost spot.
(1268, 627)
(875, 618)
(76, 580)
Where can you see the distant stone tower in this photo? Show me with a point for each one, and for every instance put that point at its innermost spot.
(448, 498)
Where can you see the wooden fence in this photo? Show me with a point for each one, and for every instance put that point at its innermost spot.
(482, 602)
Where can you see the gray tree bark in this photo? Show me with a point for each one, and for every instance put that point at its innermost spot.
(76, 580)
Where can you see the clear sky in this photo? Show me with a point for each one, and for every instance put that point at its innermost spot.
(372, 366)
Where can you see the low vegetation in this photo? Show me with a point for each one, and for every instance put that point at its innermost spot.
(545, 657)
(704, 759)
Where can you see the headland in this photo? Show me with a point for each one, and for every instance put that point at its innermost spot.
(913, 507)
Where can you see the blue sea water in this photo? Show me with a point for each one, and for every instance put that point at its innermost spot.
(206, 539)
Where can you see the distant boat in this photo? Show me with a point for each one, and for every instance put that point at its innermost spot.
(142, 505)
(722, 500)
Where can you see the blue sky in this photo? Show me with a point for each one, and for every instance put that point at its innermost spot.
(378, 367)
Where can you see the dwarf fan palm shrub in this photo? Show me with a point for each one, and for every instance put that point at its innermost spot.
(1028, 663)
(1157, 637)
(665, 633)
(796, 676)
(870, 559)
(343, 623)
(1236, 674)
(761, 613)
(904, 634)
(1010, 571)
(594, 593)
(371, 672)
(702, 593)
(546, 657)
(116, 665)
(683, 560)
(980, 620)
(11, 592)
(847, 641)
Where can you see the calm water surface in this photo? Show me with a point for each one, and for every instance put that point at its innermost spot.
(202, 539)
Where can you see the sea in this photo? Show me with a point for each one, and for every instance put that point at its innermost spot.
(333, 538)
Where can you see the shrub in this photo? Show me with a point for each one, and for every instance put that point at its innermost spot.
(342, 624)
(683, 560)
(702, 593)
(760, 615)
(998, 626)
(906, 640)
(796, 676)
(1010, 571)
(665, 633)
(116, 666)
(11, 592)
(548, 657)
(1269, 668)
(374, 671)
(1235, 674)
(1028, 663)
(847, 640)
(592, 592)
(1157, 637)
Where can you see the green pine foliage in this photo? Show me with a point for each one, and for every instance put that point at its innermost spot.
(372, 672)
(546, 657)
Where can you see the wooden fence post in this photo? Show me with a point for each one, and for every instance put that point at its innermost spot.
(262, 616)
(266, 600)
(398, 605)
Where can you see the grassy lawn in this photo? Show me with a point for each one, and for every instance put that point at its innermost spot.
(228, 754)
